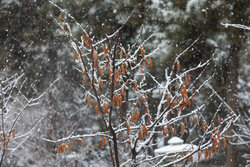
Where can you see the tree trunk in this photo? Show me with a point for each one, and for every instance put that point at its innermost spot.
(231, 80)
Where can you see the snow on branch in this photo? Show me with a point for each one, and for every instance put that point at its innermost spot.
(240, 26)
(13, 104)
(71, 136)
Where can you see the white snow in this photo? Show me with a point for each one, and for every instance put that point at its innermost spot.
(175, 148)
(175, 141)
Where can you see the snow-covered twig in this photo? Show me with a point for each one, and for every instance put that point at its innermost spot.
(240, 26)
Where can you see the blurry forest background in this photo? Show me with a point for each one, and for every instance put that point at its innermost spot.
(32, 45)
